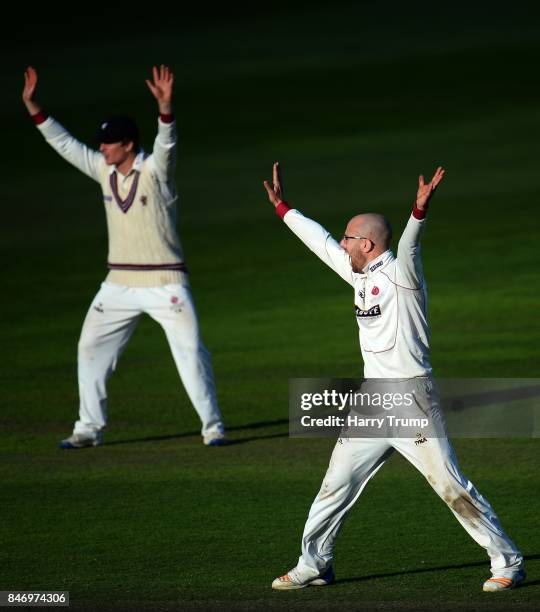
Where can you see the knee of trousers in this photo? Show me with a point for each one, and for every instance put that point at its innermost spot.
(193, 349)
(86, 348)
(92, 352)
(339, 484)
(457, 497)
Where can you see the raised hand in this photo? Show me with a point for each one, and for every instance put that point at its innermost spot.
(275, 193)
(30, 84)
(162, 87)
(426, 191)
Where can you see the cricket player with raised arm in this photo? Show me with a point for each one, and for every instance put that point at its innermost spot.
(147, 272)
(390, 306)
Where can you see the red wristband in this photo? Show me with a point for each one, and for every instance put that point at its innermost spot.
(40, 117)
(166, 118)
(419, 214)
(282, 209)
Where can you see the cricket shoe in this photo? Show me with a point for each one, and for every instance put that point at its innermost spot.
(80, 441)
(504, 584)
(216, 438)
(291, 580)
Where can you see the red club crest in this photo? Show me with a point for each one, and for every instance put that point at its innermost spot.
(375, 291)
(174, 299)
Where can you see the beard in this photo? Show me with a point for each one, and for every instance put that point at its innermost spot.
(357, 263)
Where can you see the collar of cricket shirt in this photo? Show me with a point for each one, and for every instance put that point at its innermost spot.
(379, 263)
(125, 203)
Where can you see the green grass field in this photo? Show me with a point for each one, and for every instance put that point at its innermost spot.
(355, 100)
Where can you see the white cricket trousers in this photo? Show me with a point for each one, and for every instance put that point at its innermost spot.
(111, 319)
(355, 460)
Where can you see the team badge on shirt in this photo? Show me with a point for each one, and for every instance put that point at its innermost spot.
(144, 200)
(375, 291)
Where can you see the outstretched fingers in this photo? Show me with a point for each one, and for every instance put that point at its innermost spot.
(151, 87)
(274, 199)
(275, 191)
(166, 74)
(269, 189)
(161, 84)
(437, 177)
(162, 75)
(30, 82)
(30, 75)
(277, 179)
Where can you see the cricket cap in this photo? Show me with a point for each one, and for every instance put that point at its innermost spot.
(118, 129)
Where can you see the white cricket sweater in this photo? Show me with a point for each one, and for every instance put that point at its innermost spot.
(390, 298)
(144, 248)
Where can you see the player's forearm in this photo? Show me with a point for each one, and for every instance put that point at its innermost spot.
(164, 152)
(413, 230)
(165, 108)
(311, 233)
(33, 107)
(82, 157)
(409, 252)
(409, 243)
(317, 239)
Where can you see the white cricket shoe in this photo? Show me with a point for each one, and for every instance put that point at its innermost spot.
(216, 438)
(80, 441)
(291, 580)
(504, 584)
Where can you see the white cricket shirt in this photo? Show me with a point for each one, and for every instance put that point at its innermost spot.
(390, 298)
(140, 207)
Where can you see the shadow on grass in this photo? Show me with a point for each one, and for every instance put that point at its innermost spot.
(438, 568)
(189, 434)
